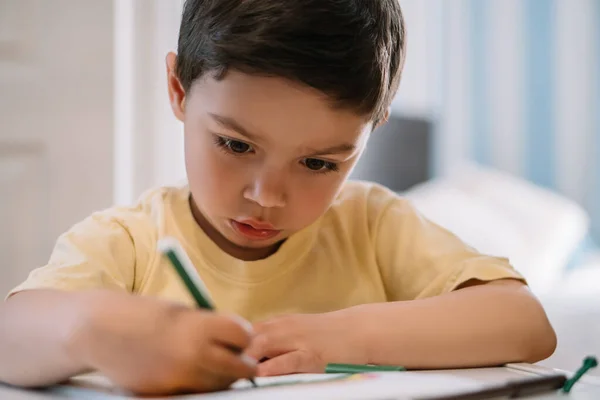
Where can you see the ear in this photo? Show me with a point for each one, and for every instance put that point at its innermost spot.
(176, 91)
(383, 120)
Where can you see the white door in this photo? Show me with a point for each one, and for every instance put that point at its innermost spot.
(56, 124)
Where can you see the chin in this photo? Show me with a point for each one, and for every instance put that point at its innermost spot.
(258, 244)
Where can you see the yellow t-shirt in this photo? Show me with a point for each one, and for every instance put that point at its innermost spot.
(370, 246)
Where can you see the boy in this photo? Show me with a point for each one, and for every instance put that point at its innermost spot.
(278, 99)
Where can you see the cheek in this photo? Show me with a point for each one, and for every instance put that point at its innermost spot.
(211, 180)
(312, 199)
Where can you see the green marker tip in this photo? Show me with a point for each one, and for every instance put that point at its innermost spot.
(588, 363)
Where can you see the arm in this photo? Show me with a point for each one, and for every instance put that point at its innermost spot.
(38, 323)
(481, 325)
(475, 326)
(95, 322)
(442, 312)
(144, 345)
(35, 334)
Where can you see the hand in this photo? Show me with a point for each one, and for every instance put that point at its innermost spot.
(306, 343)
(152, 347)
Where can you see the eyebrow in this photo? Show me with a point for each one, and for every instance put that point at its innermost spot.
(232, 124)
(337, 149)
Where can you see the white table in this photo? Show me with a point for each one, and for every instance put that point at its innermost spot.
(588, 388)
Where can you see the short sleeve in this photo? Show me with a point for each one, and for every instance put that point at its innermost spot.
(420, 259)
(95, 253)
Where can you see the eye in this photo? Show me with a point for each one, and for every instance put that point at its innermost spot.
(237, 146)
(318, 165)
(314, 164)
(234, 146)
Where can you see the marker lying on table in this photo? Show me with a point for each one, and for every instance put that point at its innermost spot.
(360, 368)
(588, 363)
(182, 264)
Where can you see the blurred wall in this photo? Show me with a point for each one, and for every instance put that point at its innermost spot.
(56, 124)
(148, 138)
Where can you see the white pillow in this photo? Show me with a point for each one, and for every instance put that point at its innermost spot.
(502, 215)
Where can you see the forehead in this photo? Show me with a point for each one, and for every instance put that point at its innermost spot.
(275, 109)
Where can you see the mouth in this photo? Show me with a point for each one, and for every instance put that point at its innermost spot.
(254, 230)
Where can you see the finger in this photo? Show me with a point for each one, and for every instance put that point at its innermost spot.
(207, 376)
(227, 331)
(187, 380)
(269, 346)
(208, 382)
(262, 326)
(272, 325)
(288, 363)
(222, 361)
(244, 323)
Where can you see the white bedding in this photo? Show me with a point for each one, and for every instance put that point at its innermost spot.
(502, 215)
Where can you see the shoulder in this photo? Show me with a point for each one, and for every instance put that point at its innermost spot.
(161, 197)
(128, 234)
(362, 205)
(368, 198)
(139, 221)
(149, 205)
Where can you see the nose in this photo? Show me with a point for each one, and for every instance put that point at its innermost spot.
(267, 189)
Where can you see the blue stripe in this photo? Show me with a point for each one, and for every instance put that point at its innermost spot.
(595, 207)
(480, 128)
(436, 142)
(539, 91)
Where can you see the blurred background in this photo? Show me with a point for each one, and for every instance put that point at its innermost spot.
(495, 133)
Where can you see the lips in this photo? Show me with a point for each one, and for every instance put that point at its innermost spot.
(255, 230)
(259, 225)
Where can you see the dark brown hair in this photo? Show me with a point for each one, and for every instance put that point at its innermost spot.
(350, 50)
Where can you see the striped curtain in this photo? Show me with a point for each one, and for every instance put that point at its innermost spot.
(520, 91)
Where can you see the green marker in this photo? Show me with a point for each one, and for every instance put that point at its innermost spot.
(182, 264)
(588, 363)
(360, 368)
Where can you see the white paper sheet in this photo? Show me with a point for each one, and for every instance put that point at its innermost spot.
(397, 385)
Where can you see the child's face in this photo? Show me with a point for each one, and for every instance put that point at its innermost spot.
(264, 157)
